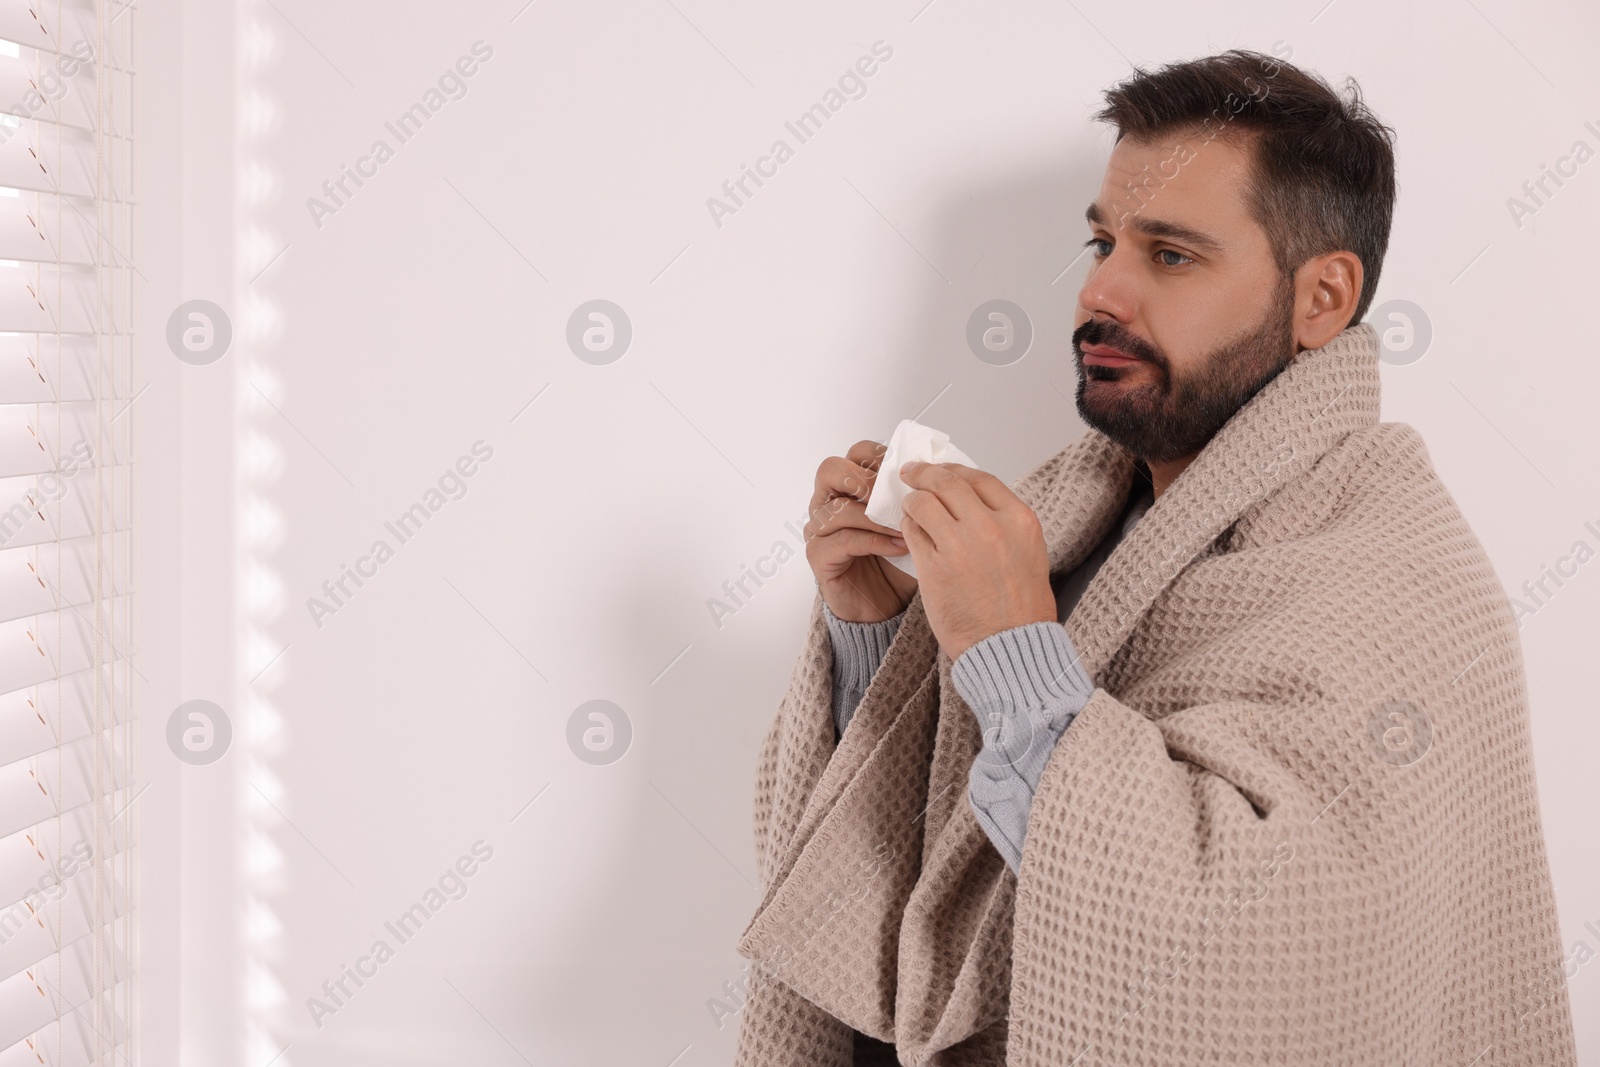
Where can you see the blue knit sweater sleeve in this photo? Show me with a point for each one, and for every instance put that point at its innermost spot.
(1025, 685)
(858, 650)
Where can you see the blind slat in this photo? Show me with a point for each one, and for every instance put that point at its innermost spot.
(44, 786)
(31, 1000)
(32, 859)
(35, 719)
(38, 438)
(42, 648)
(75, 1046)
(36, 369)
(52, 577)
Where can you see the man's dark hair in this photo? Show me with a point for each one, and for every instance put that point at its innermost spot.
(1323, 166)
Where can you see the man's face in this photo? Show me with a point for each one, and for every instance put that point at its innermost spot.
(1184, 315)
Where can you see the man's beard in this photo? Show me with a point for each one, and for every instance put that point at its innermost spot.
(1176, 415)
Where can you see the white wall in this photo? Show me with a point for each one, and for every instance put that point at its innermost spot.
(428, 310)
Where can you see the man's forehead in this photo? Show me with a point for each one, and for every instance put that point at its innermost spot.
(1222, 162)
(1177, 186)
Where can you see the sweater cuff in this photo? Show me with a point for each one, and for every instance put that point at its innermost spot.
(1026, 668)
(858, 647)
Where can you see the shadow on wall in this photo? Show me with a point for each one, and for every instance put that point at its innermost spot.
(1012, 241)
(687, 858)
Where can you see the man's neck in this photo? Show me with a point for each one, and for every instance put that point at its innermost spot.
(1164, 474)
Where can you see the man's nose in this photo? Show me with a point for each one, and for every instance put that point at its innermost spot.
(1111, 289)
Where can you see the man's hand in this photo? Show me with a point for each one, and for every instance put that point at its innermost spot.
(981, 559)
(844, 547)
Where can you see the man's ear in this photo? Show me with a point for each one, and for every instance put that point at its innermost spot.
(1327, 289)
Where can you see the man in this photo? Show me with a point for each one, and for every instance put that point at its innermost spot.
(1207, 740)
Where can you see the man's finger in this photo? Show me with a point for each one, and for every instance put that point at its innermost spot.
(868, 454)
(848, 543)
(839, 476)
(839, 513)
(929, 512)
(994, 493)
(960, 499)
(916, 538)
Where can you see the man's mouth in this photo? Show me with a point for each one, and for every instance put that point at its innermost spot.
(1106, 356)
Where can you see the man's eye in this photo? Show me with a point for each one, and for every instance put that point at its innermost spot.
(1170, 252)
(1094, 242)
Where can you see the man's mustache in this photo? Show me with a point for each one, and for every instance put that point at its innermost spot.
(1105, 332)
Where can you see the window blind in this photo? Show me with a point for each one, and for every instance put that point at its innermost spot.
(66, 759)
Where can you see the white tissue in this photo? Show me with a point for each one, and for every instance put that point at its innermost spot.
(911, 441)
